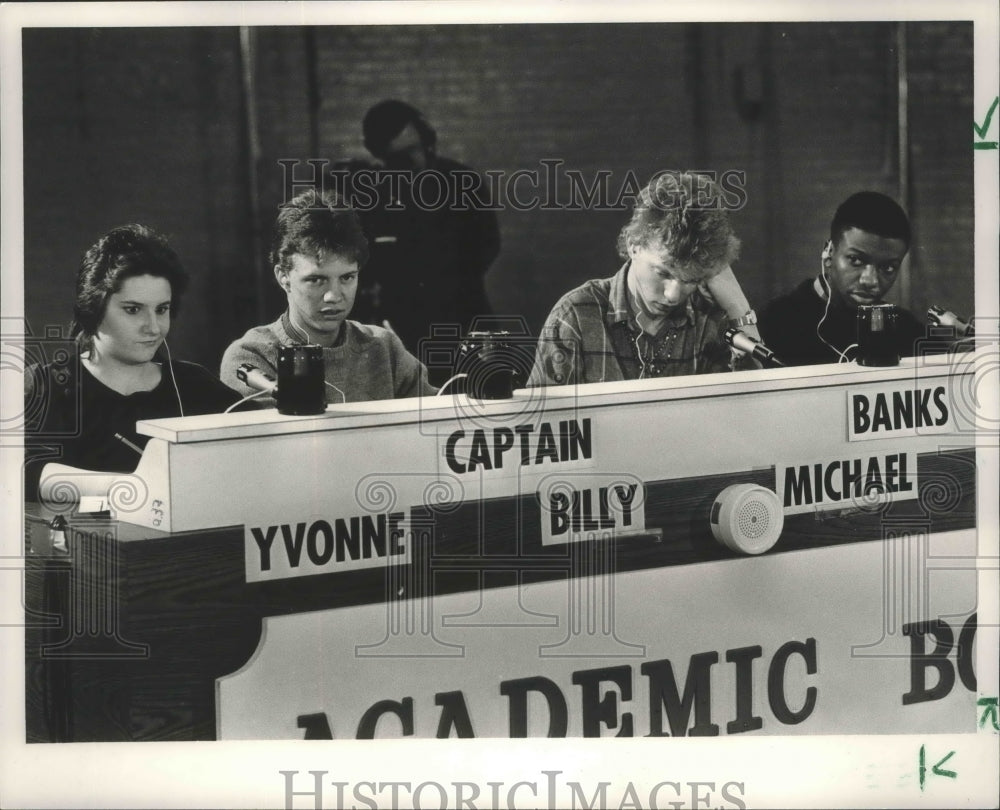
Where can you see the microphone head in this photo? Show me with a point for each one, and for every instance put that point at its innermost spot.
(243, 371)
(942, 317)
(254, 378)
(741, 341)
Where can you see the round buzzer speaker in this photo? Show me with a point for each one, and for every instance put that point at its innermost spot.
(747, 518)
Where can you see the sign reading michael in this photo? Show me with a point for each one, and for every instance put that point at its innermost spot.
(887, 413)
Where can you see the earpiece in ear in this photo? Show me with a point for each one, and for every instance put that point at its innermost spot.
(281, 276)
(827, 252)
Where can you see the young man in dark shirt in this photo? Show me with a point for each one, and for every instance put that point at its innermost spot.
(817, 321)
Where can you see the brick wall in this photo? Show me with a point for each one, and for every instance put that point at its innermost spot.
(940, 123)
(136, 125)
(149, 125)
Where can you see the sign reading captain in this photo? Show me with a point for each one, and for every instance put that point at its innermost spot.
(523, 445)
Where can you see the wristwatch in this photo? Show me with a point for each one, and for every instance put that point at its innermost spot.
(748, 318)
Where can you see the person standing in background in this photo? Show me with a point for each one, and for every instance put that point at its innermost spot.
(433, 236)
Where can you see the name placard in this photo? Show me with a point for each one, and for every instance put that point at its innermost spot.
(326, 545)
(899, 410)
(855, 481)
(580, 507)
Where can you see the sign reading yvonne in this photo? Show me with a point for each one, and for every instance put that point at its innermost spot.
(326, 544)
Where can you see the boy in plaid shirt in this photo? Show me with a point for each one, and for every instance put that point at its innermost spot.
(654, 317)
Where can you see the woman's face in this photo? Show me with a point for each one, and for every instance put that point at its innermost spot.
(135, 322)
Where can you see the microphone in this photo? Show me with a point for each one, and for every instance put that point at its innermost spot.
(937, 316)
(744, 343)
(255, 378)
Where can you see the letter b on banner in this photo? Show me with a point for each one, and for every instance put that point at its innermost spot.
(921, 660)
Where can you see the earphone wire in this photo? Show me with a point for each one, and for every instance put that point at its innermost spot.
(247, 398)
(635, 339)
(343, 396)
(825, 284)
(638, 349)
(173, 379)
(449, 381)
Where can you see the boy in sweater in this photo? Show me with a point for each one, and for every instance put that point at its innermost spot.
(318, 251)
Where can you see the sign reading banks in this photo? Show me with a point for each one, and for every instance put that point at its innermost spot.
(907, 410)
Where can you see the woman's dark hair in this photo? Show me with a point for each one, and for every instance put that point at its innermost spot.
(318, 225)
(122, 253)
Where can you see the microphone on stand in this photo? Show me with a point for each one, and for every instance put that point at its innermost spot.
(937, 316)
(744, 343)
(255, 378)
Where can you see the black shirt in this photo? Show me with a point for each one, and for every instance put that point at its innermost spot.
(788, 328)
(72, 418)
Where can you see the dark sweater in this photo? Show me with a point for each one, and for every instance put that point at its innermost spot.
(72, 418)
(788, 327)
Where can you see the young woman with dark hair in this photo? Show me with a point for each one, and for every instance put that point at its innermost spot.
(83, 410)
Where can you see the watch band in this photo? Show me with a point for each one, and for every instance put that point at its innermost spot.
(749, 318)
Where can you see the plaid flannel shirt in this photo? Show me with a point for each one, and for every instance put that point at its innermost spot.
(591, 335)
